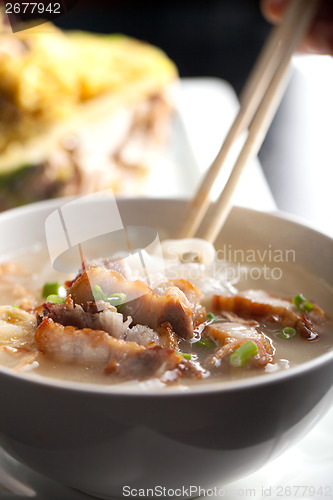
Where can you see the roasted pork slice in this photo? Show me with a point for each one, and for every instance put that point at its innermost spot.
(120, 265)
(142, 304)
(126, 360)
(192, 293)
(226, 331)
(69, 314)
(98, 316)
(155, 362)
(264, 307)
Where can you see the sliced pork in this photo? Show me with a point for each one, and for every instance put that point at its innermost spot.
(265, 307)
(194, 296)
(98, 316)
(126, 360)
(142, 304)
(70, 314)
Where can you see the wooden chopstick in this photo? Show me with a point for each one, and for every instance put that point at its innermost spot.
(268, 79)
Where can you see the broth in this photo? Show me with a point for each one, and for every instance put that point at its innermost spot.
(21, 283)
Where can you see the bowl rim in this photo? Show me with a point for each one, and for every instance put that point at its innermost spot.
(130, 389)
(56, 202)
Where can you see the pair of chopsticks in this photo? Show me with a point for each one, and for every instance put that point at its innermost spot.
(259, 101)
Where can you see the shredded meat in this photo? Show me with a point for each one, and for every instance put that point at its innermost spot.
(273, 310)
(167, 336)
(142, 304)
(231, 335)
(261, 359)
(126, 360)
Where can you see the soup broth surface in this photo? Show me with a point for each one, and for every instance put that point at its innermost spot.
(22, 280)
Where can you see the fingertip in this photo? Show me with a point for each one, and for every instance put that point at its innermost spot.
(273, 9)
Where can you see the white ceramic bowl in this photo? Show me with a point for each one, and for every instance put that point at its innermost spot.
(102, 439)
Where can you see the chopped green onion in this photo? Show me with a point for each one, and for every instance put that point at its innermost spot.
(210, 317)
(205, 342)
(288, 332)
(186, 355)
(98, 294)
(302, 303)
(115, 299)
(51, 289)
(55, 299)
(245, 352)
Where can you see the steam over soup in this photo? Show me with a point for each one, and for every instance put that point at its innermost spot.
(106, 325)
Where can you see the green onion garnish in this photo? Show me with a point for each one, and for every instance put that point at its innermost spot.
(51, 289)
(186, 355)
(206, 342)
(288, 332)
(56, 299)
(115, 299)
(210, 317)
(245, 352)
(302, 303)
(98, 294)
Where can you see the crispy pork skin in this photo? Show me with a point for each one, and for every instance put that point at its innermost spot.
(123, 359)
(142, 304)
(269, 308)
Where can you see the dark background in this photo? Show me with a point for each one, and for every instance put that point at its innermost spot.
(218, 38)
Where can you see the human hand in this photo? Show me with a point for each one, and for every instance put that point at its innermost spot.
(319, 39)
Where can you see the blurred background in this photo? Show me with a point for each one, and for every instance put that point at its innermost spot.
(220, 39)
